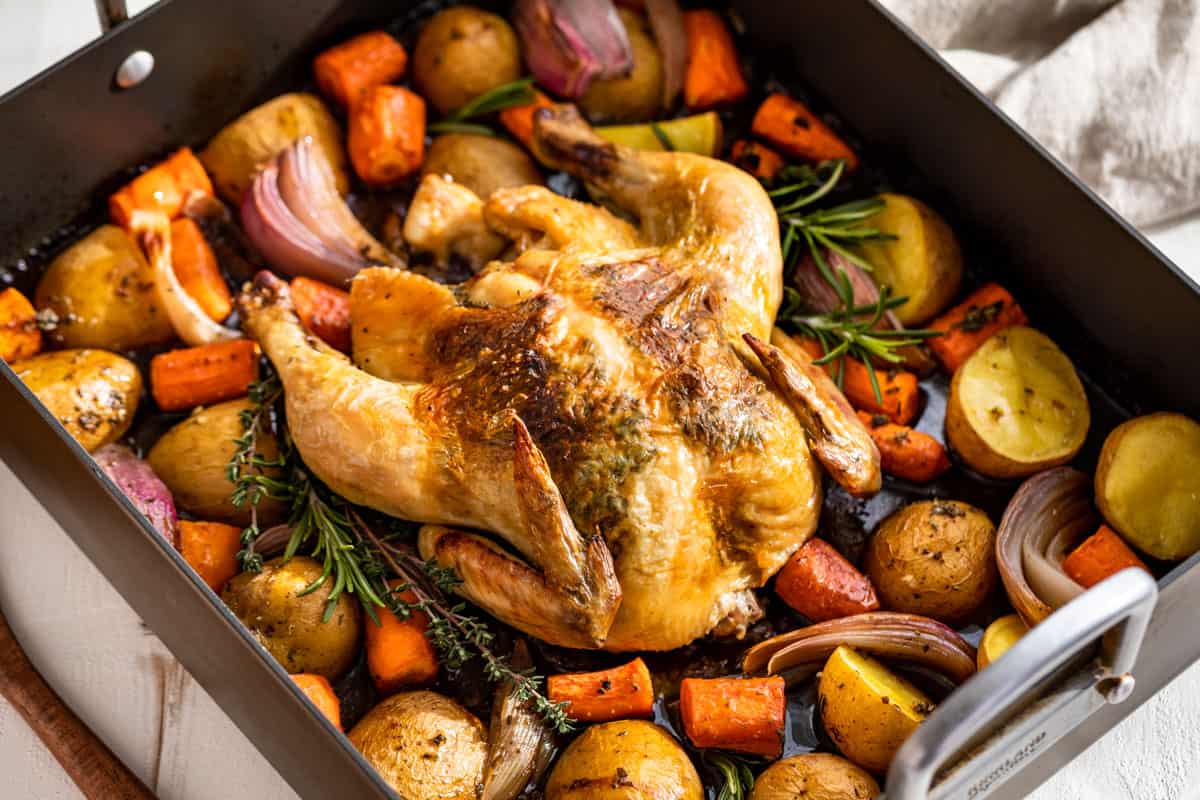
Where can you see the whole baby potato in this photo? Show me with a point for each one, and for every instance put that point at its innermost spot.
(814, 776)
(461, 53)
(936, 558)
(621, 760)
(93, 393)
(102, 290)
(191, 460)
(483, 164)
(638, 95)
(426, 746)
(290, 623)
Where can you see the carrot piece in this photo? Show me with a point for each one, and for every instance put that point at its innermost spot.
(324, 310)
(713, 76)
(318, 690)
(987, 310)
(211, 549)
(1102, 555)
(905, 453)
(196, 268)
(617, 693)
(164, 187)
(20, 336)
(743, 715)
(199, 376)
(399, 654)
(791, 127)
(386, 136)
(898, 388)
(344, 71)
(822, 585)
(518, 120)
(759, 160)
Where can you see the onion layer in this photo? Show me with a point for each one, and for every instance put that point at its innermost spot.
(666, 21)
(520, 746)
(569, 43)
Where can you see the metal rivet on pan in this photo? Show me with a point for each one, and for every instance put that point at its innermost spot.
(134, 69)
(1116, 690)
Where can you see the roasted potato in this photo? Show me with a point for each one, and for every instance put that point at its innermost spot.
(191, 457)
(233, 155)
(607, 760)
(102, 290)
(923, 263)
(426, 746)
(935, 558)
(866, 709)
(1148, 484)
(638, 95)
(272, 603)
(814, 776)
(1016, 406)
(93, 393)
(483, 164)
(461, 53)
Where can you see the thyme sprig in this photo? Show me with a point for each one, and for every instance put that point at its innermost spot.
(737, 777)
(516, 93)
(252, 475)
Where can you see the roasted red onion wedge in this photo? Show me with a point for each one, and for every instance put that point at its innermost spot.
(900, 637)
(666, 21)
(569, 43)
(520, 744)
(144, 489)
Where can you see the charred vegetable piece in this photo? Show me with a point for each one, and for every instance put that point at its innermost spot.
(20, 336)
(319, 691)
(345, 71)
(617, 693)
(821, 584)
(745, 715)
(165, 188)
(987, 310)
(399, 654)
(713, 76)
(461, 53)
(814, 776)
(201, 376)
(904, 452)
(619, 760)
(143, 488)
(789, 126)
(386, 136)
(698, 134)
(211, 549)
(759, 160)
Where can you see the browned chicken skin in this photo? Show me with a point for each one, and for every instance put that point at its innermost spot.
(592, 403)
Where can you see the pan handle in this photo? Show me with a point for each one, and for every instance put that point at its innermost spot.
(111, 13)
(1121, 604)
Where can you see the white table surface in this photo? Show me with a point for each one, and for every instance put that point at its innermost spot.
(124, 683)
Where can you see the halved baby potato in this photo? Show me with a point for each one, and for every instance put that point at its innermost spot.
(1016, 406)
(1148, 484)
(814, 776)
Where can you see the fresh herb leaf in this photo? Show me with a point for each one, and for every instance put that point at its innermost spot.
(517, 93)
(663, 138)
(736, 775)
(252, 476)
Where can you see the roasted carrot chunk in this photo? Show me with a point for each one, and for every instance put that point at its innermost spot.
(822, 585)
(386, 139)
(989, 309)
(399, 653)
(197, 270)
(713, 76)
(904, 452)
(211, 548)
(518, 120)
(617, 693)
(324, 310)
(790, 126)
(164, 187)
(1102, 555)
(742, 715)
(759, 160)
(20, 336)
(199, 376)
(901, 397)
(344, 71)
(318, 689)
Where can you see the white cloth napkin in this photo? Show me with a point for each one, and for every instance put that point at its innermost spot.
(1112, 88)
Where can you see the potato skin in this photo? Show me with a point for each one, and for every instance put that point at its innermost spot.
(93, 393)
(483, 164)
(814, 776)
(461, 53)
(620, 760)
(1148, 484)
(102, 289)
(637, 96)
(289, 625)
(426, 746)
(935, 558)
(191, 457)
(233, 155)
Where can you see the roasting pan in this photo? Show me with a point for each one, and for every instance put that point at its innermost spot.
(1120, 309)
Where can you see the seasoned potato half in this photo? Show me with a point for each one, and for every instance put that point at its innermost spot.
(1148, 484)
(236, 152)
(93, 393)
(814, 776)
(426, 746)
(866, 709)
(923, 263)
(102, 290)
(621, 760)
(638, 95)
(483, 164)
(461, 53)
(1016, 406)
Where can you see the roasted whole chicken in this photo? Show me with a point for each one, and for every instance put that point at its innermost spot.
(603, 434)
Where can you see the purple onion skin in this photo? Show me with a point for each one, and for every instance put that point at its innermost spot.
(569, 43)
(143, 488)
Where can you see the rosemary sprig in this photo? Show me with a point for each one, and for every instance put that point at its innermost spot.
(738, 779)
(517, 93)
